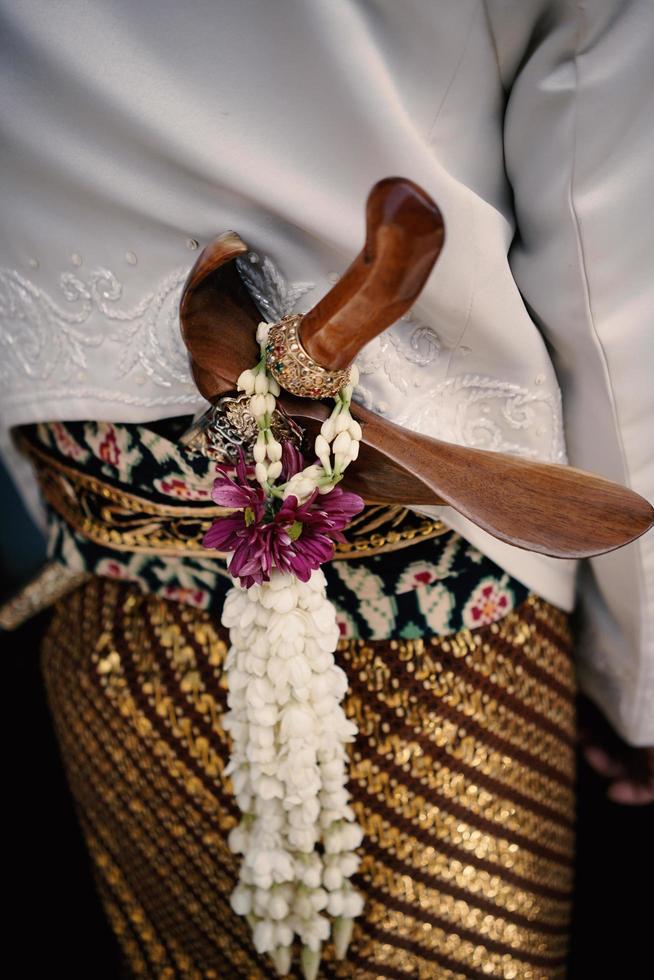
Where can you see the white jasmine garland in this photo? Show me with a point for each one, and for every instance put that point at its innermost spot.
(288, 769)
(288, 761)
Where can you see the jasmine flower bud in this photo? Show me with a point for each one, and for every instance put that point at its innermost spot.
(348, 863)
(259, 450)
(328, 429)
(332, 878)
(342, 443)
(262, 332)
(281, 958)
(274, 449)
(237, 841)
(311, 877)
(300, 487)
(333, 840)
(335, 903)
(241, 900)
(354, 429)
(342, 934)
(245, 382)
(303, 840)
(352, 904)
(284, 601)
(258, 405)
(351, 838)
(263, 936)
(323, 452)
(342, 423)
(296, 720)
(261, 383)
(277, 906)
(310, 962)
(284, 935)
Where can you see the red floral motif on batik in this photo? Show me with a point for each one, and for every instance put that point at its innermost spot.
(173, 486)
(124, 571)
(108, 450)
(346, 625)
(114, 570)
(66, 444)
(415, 576)
(191, 597)
(488, 603)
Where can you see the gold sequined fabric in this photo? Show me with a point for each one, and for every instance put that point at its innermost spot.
(462, 778)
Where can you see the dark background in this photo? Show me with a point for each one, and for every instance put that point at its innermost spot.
(56, 923)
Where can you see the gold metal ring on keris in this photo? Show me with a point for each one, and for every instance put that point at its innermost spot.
(294, 369)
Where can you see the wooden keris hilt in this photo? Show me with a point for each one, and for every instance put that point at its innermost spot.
(548, 508)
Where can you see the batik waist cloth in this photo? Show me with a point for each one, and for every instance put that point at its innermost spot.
(461, 774)
(128, 502)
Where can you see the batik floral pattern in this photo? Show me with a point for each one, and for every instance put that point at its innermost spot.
(66, 444)
(437, 604)
(489, 601)
(433, 587)
(113, 447)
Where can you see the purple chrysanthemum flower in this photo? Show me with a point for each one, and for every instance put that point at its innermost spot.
(266, 534)
(292, 461)
(239, 493)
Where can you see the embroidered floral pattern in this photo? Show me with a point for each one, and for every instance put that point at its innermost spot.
(437, 605)
(374, 610)
(485, 413)
(88, 332)
(415, 575)
(407, 340)
(54, 338)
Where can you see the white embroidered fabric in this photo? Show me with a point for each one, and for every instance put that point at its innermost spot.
(88, 334)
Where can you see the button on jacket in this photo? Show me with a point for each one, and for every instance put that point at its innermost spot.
(133, 133)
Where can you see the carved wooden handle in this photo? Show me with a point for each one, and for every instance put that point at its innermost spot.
(404, 237)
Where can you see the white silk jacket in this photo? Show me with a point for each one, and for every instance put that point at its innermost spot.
(134, 132)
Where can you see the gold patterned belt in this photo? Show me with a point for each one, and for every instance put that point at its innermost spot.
(124, 521)
(116, 519)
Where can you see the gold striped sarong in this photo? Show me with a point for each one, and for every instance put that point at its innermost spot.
(462, 778)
